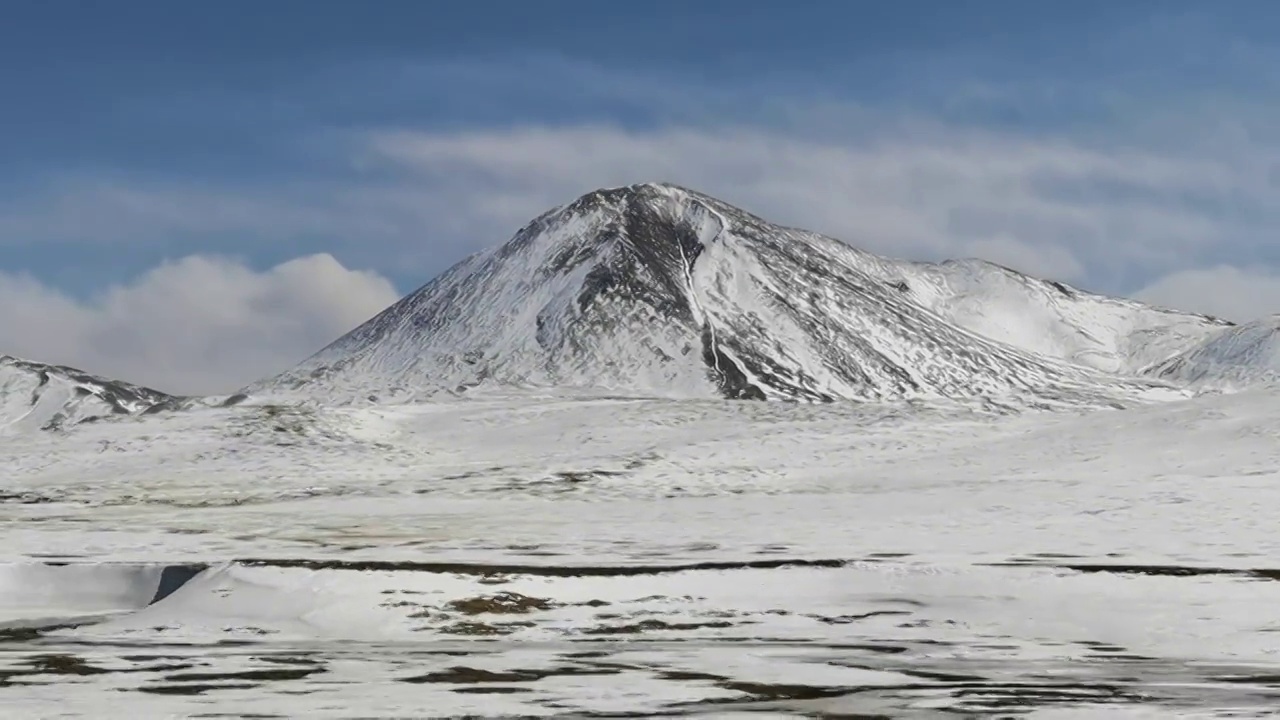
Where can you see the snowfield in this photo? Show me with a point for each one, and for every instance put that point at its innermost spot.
(530, 556)
(535, 487)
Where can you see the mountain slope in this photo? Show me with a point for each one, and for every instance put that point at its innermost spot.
(1050, 318)
(1238, 356)
(48, 397)
(655, 290)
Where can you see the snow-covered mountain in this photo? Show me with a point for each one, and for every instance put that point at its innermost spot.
(1238, 356)
(39, 396)
(655, 290)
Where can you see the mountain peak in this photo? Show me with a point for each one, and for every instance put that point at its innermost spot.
(655, 289)
(636, 192)
(640, 213)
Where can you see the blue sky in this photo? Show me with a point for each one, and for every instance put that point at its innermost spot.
(179, 178)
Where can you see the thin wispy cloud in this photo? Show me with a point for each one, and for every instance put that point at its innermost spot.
(1118, 215)
(926, 195)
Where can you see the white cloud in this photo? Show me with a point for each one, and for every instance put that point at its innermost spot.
(127, 212)
(1225, 291)
(198, 325)
(1102, 214)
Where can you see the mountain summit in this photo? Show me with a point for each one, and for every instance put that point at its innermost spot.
(656, 290)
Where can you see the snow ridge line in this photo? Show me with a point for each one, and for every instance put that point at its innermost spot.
(688, 278)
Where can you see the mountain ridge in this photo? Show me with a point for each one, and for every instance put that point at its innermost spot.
(35, 395)
(1246, 354)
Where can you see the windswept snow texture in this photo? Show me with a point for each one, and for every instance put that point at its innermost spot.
(49, 397)
(646, 558)
(654, 290)
(1237, 357)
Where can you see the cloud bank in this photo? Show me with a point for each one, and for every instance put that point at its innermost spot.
(200, 325)
(1225, 291)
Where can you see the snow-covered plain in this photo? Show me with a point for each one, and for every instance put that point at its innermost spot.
(548, 555)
